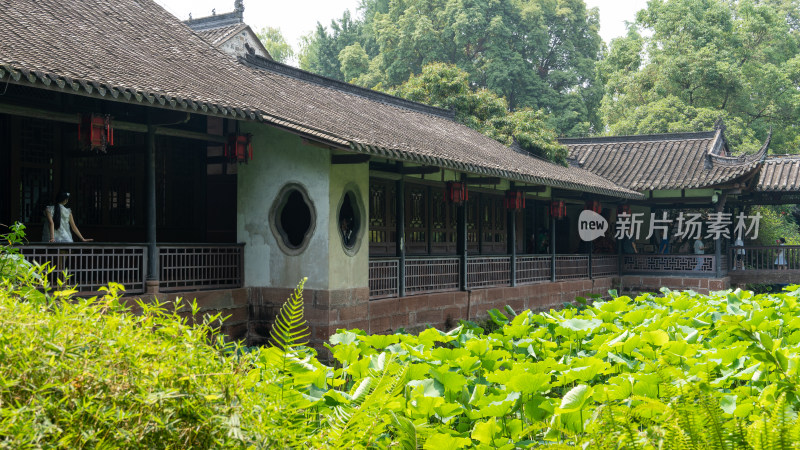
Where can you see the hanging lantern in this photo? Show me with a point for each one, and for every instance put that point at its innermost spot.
(558, 209)
(95, 132)
(239, 148)
(514, 200)
(595, 206)
(456, 192)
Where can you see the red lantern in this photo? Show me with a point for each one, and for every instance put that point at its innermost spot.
(595, 206)
(95, 132)
(456, 192)
(558, 209)
(239, 148)
(623, 209)
(514, 200)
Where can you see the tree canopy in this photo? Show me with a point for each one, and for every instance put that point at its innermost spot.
(447, 86)
(276, 45)
(685, 63)
(537, 54)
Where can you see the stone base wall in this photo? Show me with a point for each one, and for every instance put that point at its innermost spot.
(328, 311)
(251, 311)
(636, 283)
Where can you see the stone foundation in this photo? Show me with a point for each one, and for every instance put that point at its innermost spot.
(636, 283)
(251, 311)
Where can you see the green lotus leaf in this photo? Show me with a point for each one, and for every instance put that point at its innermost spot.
(728, 403)
(576, 399)
(581, 324)
(441, 441)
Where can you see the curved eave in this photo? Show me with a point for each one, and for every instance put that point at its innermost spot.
(401, 155)
(98, 89)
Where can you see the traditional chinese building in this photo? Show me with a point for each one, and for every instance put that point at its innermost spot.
(229, 33)
(227, 180)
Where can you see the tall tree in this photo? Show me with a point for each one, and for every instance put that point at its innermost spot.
(447, 86)
(276, 44)
(686, 63)
(536, 53)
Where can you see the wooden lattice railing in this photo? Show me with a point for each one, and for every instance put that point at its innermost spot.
(669, 264)
(431, 275)
(182, 267)
(764, 257)
(88, 267)
(187, 267)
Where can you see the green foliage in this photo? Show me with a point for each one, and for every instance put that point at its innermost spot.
(447, 86)
(685, 63)
(776, 222)
(276, 44)
(537, 54)
(671, 371)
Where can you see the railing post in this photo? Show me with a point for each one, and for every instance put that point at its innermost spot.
(461, 238)
(512, 244)
(150, 202)
(591, 250)
(400, 228)
(552, 249)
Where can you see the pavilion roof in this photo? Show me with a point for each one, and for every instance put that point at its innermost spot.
(779, 174)
(663, 161)
(135, 51)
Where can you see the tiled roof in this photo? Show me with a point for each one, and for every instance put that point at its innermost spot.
(216, 36)
(779, 174)
(133, 50)
(663, 161)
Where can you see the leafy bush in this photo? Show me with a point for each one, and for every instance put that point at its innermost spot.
(679, 370)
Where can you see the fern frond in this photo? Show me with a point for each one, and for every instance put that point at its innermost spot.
(290, 327)
(358, 421)
(779, 425)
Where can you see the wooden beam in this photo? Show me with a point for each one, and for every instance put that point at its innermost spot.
(349, 159)
(398, 168)
(483, 180)
(74, 118)
(531, 188)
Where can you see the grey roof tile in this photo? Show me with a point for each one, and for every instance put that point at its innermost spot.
(134, 47)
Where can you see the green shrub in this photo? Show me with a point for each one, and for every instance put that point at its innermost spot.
(676, 370)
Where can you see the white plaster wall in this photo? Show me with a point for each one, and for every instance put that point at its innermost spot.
(349, 270)
(280, 158)
(235, 44)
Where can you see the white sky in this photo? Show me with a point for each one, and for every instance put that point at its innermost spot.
(299, 17)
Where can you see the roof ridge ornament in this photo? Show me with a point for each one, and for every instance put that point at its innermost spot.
(238, 6)
(719, 124)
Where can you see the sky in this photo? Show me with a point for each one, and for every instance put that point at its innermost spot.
(296, 18)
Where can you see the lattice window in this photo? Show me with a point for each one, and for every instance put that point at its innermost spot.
(443, 220)
(382, 217)
(416, 218)
(38, 142)
(37, 157)
(493, 224)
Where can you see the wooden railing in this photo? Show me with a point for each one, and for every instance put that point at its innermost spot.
(605, 266)
(200, 267)
(533, 269)
(572, 267)
(431, 275)
(88, 267)
(182, 267)
(435, 274)
(668, 264)
(765, 257)
(384, 276)
(488, 271)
